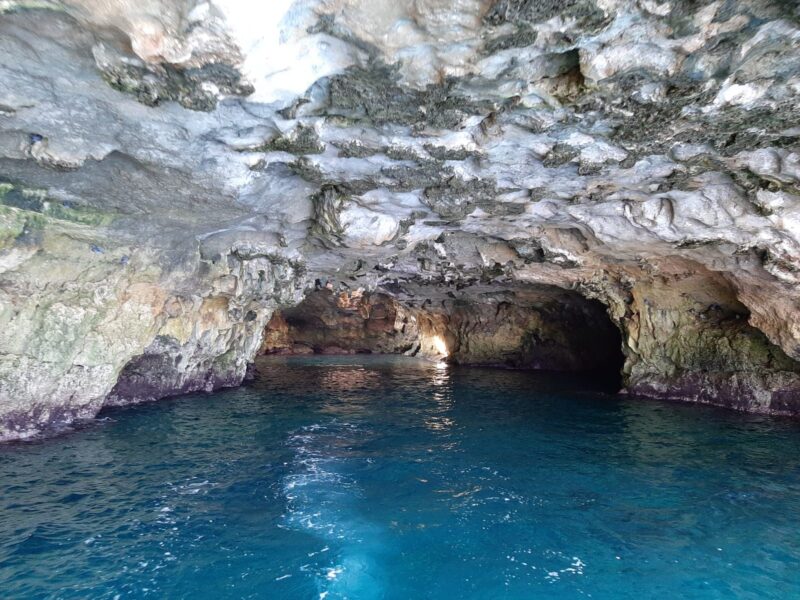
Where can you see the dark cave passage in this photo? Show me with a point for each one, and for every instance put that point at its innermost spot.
(540, 328)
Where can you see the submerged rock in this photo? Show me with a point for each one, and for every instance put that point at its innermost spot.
(172, 173)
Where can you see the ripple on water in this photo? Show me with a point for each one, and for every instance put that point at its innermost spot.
(374, 478)
(323, 497)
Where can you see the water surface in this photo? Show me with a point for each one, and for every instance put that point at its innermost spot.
(388, 478)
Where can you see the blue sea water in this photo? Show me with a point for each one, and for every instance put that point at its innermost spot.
(370, 478)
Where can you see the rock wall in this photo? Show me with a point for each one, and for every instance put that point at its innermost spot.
(157, 157)
(546, 329)
(90, 319)
(207, 342)
(326, 322)
(696, 342)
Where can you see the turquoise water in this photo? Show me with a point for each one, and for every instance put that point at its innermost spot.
(372, 478)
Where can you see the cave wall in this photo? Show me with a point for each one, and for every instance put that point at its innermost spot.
(681, 335)
(545, 329)
(328, 322)
(172, 172)
(690, 337)
(91, 321)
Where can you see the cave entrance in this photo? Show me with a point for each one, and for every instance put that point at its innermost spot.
(534, 327)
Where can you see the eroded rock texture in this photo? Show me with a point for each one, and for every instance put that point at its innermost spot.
(537, 328)
(171, 172)
(329, 323)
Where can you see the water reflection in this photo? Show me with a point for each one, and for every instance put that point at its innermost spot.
(348, 379)
(442, 396)
(366, 478)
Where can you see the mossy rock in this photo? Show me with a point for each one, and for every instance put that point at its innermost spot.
(33, 200)
(301, 141)
(164, 82)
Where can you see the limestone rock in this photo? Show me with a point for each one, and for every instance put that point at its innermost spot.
(172, 172)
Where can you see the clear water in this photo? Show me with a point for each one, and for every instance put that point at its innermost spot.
(372, 478)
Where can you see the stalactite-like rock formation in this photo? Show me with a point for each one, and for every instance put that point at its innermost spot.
(174, 171)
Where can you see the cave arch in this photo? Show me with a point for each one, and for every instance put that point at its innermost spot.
(529, 327)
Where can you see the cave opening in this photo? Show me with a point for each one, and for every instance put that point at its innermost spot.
(541, 328)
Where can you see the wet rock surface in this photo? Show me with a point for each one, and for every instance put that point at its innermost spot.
(537, 328)
(173, 172)
(326, 322)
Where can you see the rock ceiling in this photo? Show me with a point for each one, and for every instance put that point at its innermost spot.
(170, 172)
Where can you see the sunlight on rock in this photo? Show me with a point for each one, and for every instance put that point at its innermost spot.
(440, 346)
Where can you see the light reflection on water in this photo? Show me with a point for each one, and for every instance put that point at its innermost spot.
(386, 478)
(323, 500)
(442, 399)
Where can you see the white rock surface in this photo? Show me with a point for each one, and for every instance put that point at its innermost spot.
(220, 156)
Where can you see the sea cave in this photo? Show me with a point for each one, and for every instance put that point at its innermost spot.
(330, 299)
